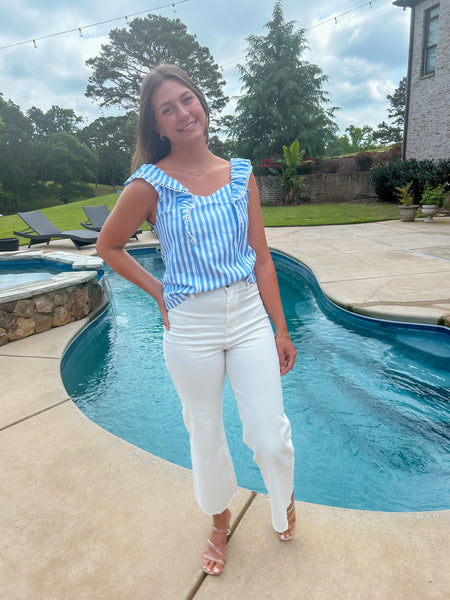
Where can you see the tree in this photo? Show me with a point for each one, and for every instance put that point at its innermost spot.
(113, 139)
(54, 120)
(131, 53)
(356, 139)
(15, 151)
(283, 97)
(68, 162)
(391, 134)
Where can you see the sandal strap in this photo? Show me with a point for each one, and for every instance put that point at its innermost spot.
(216, 549)
(216, 530)
(214, 558)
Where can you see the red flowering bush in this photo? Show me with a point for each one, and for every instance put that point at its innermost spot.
(270, 164)
(307, 165)
(274, 164)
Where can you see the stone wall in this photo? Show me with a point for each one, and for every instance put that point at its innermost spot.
(26, 316)
(428, 115)
(322, 187)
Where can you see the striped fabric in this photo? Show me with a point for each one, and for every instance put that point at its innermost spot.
(203, 238)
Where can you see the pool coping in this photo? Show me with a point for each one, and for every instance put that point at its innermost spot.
(88, 515)
(84, 268)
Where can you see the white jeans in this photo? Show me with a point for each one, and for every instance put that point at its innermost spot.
(228, 331)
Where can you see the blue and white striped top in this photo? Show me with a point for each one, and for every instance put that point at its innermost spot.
(203, 239)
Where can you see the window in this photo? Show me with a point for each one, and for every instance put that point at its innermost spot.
(430, 40)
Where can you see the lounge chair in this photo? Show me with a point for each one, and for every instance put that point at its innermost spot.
(40, 230)
(97, 216)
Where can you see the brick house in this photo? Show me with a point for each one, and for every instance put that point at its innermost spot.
(427, 116)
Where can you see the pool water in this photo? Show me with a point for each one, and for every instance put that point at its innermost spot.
(15, 273)
(368, 400)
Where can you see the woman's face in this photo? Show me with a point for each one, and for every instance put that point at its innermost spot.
(178, 113)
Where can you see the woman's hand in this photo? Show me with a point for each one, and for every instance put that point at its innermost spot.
(164, 312)
(286, 354)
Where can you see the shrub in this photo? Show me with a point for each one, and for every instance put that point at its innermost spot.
(308, 165)
(386, 177)
(404, 194)
(433, 195)
(364, 160)
(268, 165)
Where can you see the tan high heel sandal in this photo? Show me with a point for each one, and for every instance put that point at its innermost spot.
(290, 513)
(220, 558)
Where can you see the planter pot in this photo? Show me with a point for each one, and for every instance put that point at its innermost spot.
(408, 213)
(9, 244)
(429, 210)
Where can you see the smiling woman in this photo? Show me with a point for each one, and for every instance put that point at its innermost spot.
(217, 295)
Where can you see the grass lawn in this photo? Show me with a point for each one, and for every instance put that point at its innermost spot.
(328, 214)
(69, 216)
(64, 216)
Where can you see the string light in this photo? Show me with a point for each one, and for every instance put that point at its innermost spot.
(341, 15)
(93, 25)
(232, 62)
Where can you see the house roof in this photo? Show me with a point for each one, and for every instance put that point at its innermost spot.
(405, 3)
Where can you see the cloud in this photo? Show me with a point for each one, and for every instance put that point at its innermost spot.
(364, 54)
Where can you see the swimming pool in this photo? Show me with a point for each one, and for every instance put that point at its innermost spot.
(368, 400)
(17, 273)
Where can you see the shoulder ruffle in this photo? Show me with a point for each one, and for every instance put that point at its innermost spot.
(241, 170)
(156, 177)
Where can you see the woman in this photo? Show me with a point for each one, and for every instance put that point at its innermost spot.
(219, 286)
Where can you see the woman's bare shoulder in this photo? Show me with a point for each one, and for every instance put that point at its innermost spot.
(139, 189)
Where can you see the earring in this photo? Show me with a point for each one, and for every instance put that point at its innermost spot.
(162, 138)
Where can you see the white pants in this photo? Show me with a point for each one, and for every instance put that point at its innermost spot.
(228, 331)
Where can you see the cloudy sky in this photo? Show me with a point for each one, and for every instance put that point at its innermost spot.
(363, 52)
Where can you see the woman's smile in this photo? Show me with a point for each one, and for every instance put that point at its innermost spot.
(188, 126)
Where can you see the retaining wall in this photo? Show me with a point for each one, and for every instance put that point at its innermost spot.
(322, 188)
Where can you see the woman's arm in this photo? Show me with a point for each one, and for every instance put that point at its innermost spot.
(136, 203)
(267, 280)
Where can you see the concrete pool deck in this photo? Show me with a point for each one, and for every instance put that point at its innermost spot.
(85, 515)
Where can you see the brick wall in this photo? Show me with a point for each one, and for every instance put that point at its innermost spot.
(428, 133)
(322, 187)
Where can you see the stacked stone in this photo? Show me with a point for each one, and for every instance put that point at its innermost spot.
(24, 317)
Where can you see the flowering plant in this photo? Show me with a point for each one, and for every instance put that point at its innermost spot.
(272, 163)
(307, 165)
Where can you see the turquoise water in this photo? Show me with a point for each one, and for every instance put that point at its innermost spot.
(368, 400)
(19, 272)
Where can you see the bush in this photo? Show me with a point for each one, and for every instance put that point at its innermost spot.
(267, 166)
(364, 160)
(6, 201)
(386, 177)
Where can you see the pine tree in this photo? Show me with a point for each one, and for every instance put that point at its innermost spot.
(388, 133)
(131, 53)
(283, 98)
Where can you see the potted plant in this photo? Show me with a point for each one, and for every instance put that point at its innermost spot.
(431, 201)
(405, 194)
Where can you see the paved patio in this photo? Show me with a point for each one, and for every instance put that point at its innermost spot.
(85, 515)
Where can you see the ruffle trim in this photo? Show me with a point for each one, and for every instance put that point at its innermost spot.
(240, 175)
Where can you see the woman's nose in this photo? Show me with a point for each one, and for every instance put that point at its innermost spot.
(182, 111)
